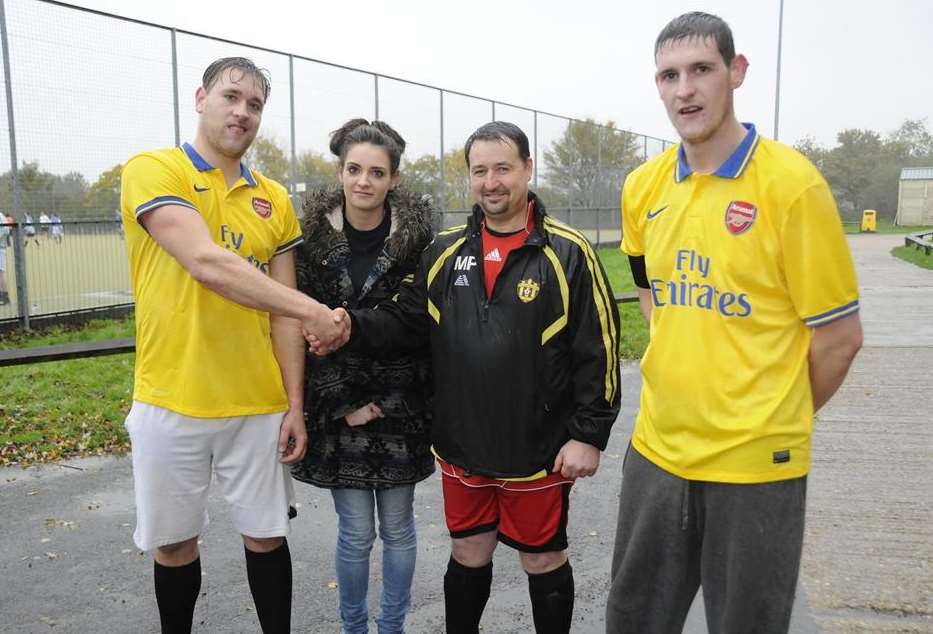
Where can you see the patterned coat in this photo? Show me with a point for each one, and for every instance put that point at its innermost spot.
(388, 451)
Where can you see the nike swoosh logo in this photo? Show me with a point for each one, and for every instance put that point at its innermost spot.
(651, 214)
(200, 189)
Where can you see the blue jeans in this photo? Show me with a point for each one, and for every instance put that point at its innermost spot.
(356, 532)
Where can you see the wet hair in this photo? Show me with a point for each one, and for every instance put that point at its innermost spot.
(499, 131)
(243, 64)
(697, 25)
(380, 133)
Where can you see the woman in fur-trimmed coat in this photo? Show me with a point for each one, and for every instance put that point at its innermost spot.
(368, 420)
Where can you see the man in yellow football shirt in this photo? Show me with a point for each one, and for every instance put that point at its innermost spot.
(219, 347)
(746, 280)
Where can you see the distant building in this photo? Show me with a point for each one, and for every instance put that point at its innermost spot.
(915, 196)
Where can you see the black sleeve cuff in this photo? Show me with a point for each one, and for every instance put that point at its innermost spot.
(639, 275)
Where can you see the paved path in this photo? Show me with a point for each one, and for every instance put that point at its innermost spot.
(67, 561)
(868, 556)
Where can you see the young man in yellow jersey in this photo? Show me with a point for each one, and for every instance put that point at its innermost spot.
(219, 363)
(745, 277)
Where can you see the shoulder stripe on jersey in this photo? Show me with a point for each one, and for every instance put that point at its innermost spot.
(832, 315)
(451, 230)
(432, 273)
(561, 321)
(161, 201)
(601, 299)
(749, 155)
(288, 246)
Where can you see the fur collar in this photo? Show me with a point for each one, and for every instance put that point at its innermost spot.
(411, 221)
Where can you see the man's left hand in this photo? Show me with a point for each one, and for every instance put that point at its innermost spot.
(577, 459)
(293, 437)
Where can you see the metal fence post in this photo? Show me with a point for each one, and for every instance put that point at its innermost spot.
(19, 253)
(376, 91)
(537, 167)
(442, 185)
(572, 156)
(293, 176)
(599, 177)
(493, 110)
(175, 89)
(22, 287)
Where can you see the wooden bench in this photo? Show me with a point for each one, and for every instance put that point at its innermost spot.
(62, 351)
(918, 240)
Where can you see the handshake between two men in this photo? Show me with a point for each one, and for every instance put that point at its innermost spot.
(327, 331)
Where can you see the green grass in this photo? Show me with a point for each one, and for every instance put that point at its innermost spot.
(914, 256)
(83, 271)
(94, 330)
(885, 225)
(634, 337)
(51, 411)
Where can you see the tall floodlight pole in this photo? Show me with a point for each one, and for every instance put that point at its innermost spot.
(777, 81)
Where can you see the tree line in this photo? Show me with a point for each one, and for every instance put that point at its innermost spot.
(582, 168)
(864, 166)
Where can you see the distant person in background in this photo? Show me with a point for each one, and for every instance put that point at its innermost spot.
(9, 230)
(45, 224)
(58, 230)
(5, 230)
(4, 240)
(119, 224)
(29, 232)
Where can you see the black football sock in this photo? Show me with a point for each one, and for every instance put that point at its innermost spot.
(176, 590)
(270, 581)
(466, 591)
(552, 600)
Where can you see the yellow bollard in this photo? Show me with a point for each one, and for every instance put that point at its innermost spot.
(869, 220)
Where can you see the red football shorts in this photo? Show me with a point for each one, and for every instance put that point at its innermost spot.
(530, 516)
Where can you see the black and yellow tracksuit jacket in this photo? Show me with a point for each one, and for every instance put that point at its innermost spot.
(516, 376)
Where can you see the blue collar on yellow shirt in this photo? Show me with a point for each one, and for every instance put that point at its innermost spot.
(732, 167)
(201, 165)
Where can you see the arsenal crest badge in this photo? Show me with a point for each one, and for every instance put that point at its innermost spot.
(528, 290)
(262, 207)
(740, 216)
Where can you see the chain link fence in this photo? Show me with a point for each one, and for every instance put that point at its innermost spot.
(86, 90)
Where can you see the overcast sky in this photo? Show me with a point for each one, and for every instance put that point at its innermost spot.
(845, 64)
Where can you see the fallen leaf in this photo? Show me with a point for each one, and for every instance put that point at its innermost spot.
(332, 585)
(45, 540)
(51, 555)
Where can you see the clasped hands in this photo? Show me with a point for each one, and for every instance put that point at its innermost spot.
(326, 330)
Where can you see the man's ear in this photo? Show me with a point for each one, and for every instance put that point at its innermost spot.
(200, 95)
(737, 71)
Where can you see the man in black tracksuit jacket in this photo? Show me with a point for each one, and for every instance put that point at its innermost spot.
(526, 376)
